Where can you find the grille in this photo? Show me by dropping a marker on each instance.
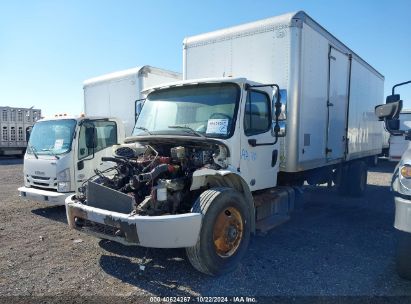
(41, 184)
(42, 181)
(40, 177)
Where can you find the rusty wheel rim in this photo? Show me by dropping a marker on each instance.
(228, 232)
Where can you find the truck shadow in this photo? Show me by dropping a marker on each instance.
(325, 246)
(54, 213)
(148, 280)
(9, 160)
(167, 271)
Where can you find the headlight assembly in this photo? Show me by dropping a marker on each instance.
(405, 179)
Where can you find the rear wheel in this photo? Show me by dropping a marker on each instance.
(373, 161)
(225, 231)
(403, 259)
(351, 178)
(341, 179)
(357, 178)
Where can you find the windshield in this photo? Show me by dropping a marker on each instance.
(51, 137)
(194, 110)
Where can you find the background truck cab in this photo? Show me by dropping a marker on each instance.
(60, 156)
(401, 181)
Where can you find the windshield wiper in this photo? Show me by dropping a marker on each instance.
(192, 131)
(34, 151)
(144, 129)
(52, 153)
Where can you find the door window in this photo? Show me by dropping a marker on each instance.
(257, 115)
(106, 137)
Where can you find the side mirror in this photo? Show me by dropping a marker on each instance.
(28, 133)
(283, 128)
(389, 111)
(283, 114)
(276, 107)
(138, 107)
(392, 98)
(91, 137)
(393, 124)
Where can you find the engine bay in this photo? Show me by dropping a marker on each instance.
(157, 176)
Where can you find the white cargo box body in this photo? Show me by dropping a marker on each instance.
(115, 94)
(330, 89)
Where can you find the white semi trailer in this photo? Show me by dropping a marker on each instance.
(59, 158)
(264, 107)
(15, 124)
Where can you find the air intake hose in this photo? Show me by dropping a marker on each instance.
(153, 174)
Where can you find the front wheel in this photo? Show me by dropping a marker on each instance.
(225, 231)
(403, 259)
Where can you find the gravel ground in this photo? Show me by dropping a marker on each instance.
(336, 247)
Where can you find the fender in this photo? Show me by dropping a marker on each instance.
(225, 178)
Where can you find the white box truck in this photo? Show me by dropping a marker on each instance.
(59, 158)
(16, 124)
(119, 94)
(264, 107)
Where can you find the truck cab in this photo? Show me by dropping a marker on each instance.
(60, 156)
(398, 143)
(401, 180)
(195, 142)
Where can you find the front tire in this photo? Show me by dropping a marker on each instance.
(403, 258)
(225, 231)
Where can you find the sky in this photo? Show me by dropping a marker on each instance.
(48, 48)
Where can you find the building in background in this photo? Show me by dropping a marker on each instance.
(15, 124)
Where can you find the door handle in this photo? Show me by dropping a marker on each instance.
(253, 143)
(80, 165)
(274, 158)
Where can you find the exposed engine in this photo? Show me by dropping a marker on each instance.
(157, 177)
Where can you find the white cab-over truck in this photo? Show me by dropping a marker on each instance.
(401, 180)
(398, 143)
(15, 124)
(59, 160)
(264, 107)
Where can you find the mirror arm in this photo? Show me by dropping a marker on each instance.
(399, 84)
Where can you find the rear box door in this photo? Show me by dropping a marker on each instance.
(339, 66)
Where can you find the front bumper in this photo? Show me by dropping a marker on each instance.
(49, 197)
(168, 231)
(402, 214)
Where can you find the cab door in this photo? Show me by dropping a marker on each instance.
(88, 159)
(258, 153)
